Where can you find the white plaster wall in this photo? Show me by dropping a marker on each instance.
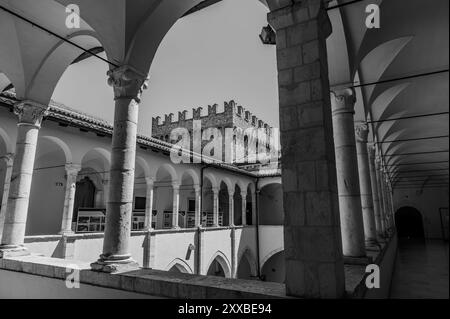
(137, 248)
(47, 247)
(427, 203)
(271, 240)
(215, 241)
(171, 246)
(88, 249)
(46, 201)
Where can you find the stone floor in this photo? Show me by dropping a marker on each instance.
(421, 271)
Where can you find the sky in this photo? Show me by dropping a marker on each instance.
(209, 57)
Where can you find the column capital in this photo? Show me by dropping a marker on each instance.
(127, 82)
(197, 188)
(230, 194)
(243, 194)
(30, 112)
(361, 132)
(8, 159)
(343, 100)
(176, 186)
(149, 181)
(72, 169)
(215, 190)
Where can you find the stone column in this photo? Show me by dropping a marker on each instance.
(105, 184)
(244, 207)
(69, 198)
(198, 210)
(231, 208)
(149, 204)
(176, 205)
(254, 212)
(375, 194)
(234, 257)
(30, 116)
(391, 198)
(386, 201)
(352, 226)
(308, 172)
(215, 191)
(128, 85)
(382, 195)
(370, 231)
(8, 159)
(390, 204)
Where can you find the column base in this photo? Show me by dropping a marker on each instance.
(8, 251)
(114, 266)
(364, 260)
(373, 245)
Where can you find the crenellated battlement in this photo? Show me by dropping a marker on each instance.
(227, 118)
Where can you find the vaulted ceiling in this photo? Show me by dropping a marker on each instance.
(406, 59)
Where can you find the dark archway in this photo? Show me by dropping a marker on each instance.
(409, 223)
(84, 196)
(216, 269)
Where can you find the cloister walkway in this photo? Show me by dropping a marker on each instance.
(422, 270)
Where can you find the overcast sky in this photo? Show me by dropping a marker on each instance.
(212, 56)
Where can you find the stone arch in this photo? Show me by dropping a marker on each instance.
(275, 259)
(211, 178)
(193, 174)
(104, 155)
(248, 255)
(181, 265)
(169, 169)
(228, 183)
(270, 254)
(6, 141)
(143, 165)
(62, 145)
(223, 261)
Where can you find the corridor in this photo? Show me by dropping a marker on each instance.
(421, 271)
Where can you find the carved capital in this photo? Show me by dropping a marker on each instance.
(8, 159)
(72, 170)
(244, 194)
(343, 101)
(361, 132)
(127, 82)
(149, 181)
(30, 112)
(176, 186)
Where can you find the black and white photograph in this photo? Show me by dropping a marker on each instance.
(228, 156)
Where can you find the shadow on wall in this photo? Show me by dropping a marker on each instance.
(273, 269)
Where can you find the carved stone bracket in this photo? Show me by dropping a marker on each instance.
(361, 132)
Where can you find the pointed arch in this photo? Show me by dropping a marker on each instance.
(223, 261)
(181, 265)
